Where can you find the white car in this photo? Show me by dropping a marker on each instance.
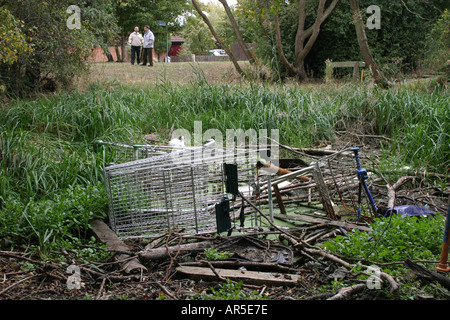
(218, 52)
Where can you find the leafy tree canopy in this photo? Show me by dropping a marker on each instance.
(399, 45)
(438, 53)
(12, 40)
(132, 13)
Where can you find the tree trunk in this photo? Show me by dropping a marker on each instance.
(165, 252)
(224, 47)
(291, 68)
(108, 54)
(118, 55)
(247, 50)
(123, 46)
(309, 36)
(364, 45)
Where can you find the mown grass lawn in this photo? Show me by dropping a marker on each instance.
(178, 73)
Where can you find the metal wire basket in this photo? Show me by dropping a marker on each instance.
(338, 181)
(122, 152)
(155, 189)
(176, 190)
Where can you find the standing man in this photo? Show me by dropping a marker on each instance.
(149, 40)
(135, 39)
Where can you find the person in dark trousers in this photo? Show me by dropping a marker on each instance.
(135, 40)
(149, 40)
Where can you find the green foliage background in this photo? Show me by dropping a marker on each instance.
(400, 45)
(58, 54)
(12, 40)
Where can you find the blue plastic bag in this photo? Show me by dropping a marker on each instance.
(410, 211)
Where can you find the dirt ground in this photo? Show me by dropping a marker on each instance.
(24, 278)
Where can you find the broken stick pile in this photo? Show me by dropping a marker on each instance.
(292, 261)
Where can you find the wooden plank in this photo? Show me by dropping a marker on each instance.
(112, 242)
(107, 236)
(347, 64)
(248, 277)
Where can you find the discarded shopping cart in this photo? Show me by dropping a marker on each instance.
(195, 190)
(175, 190)
(337, 181)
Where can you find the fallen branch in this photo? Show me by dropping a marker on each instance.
(426, 274)
(214, 270)
(107, 236)
(166, 291)
(374, 136)
(166, 252)
(318, 152)
(293, 150)
(172, 259)
(16, 283)
(99, 293)
(335, 223)
(323, 235)
(18, 255)
(393, 188)
(328, 256)
(347, 292)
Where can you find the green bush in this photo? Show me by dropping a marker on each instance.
(213, 254)
(439, 44)
(51, 223)
(393, 239)
(58, 53)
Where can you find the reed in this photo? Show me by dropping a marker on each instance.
(419, 124)
(63, 127)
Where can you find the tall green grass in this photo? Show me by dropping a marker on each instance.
(35, 165)
(419, 123)
(46, 143)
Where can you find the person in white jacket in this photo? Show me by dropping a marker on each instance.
(135, 40)
(149, 40)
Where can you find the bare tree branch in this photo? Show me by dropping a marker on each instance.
(214, 33)
(309, 35)
(247, 50)
(364, 46)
